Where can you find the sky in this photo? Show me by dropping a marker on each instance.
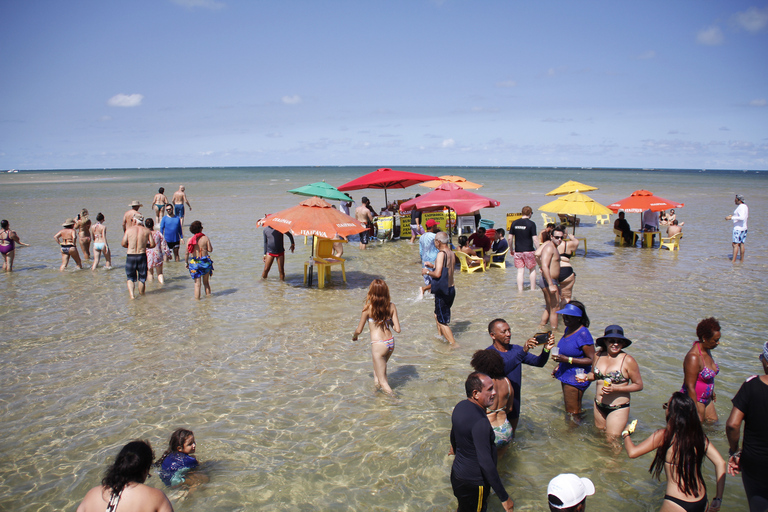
(384, 83)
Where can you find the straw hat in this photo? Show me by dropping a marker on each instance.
(68, 223)
(135, 203)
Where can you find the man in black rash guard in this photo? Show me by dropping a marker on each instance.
(472, 441)
(274, 249)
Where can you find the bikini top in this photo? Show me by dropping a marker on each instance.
(113, 501)
(509, 390)
(706, 375)
(616, 377)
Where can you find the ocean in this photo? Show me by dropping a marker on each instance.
(282, 401)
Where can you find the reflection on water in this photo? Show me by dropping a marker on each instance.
(282, 401)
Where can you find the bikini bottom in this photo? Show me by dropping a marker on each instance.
(608, 409)
(689, 506)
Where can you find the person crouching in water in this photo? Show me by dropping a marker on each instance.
(124, 483)
(381, 316)
(199, 264)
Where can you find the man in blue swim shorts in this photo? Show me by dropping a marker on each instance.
(179, 198)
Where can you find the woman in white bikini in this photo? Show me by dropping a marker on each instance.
(381, 316)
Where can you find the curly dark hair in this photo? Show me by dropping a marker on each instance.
(196, 227)
(131, 465)
(707, 328)
(489, 362)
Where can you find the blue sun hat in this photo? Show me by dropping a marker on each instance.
(570, 310)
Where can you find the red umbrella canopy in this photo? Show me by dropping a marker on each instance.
(451, 195)
(642, 200)
(386, 178)
(314, 217)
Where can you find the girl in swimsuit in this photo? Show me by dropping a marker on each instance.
(680, 450)
(155, 255)
(617, 375)
(381, 316)
(83, 224)
(567, 276)
(464, 247)
(66, 239)
(489, 362)
(700, 369)
(100, 246)
(123, 484)
(8, 241)
(178, 460)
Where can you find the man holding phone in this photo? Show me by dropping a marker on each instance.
(515, 355)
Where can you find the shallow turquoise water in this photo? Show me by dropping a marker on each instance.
(280, 399)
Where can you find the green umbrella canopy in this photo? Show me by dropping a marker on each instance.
(321, 189)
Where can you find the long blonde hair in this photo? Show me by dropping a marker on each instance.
(378, 302)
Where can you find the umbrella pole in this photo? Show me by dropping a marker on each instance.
(311, 267)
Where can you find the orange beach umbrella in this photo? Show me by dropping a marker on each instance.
(314, 217)
(458, 180)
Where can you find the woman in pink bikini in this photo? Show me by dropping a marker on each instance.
(381, 316)
(700, 369)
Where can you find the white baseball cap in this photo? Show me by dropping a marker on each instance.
(570, 489)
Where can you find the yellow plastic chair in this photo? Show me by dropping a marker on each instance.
(465, 259)
(500, 264)
(324, 260)
(620, 238)
(602, 219)
(672, 243)
(548, 219)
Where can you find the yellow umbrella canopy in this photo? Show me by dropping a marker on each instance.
(575, 203)
(570, 186)
(458, 180)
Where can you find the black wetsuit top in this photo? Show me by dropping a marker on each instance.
(472, 439)
(273, 241)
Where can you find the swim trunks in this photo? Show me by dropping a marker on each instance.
(365, 236)
(172, 245)
(542, 283)
(525, 260)
(199, 267)
(739, 236)
(443, 303)
(136, 264)
(275, 255)
(178, 210)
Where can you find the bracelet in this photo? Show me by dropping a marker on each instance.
(734, 454)
(717, 499)
(570, 360)
(625, 434)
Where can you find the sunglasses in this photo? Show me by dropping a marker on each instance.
(557, 237)
(665, 405)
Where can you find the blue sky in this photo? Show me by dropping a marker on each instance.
(94, 83)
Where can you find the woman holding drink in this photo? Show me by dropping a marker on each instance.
(617, 375)
(575, 354)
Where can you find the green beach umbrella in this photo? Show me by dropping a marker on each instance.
(321, 189)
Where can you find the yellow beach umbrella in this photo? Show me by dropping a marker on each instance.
(575, 203)
(458, 180)
(571, 186)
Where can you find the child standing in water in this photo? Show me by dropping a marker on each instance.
(178, 460)
(381, 316)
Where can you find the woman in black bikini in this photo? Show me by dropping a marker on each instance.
(67, 240)
(680, 450)
(617, 375)
(567, 276)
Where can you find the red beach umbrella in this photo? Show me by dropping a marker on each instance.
(386, 178)
(453, 196)
(642, 200)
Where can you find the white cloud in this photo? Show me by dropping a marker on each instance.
(506, 84)
(758, 103)
(753, 19)
(292, 100)
(650, 54)
(448, 143)
(205, 4)
(712, 36)
(125, 100)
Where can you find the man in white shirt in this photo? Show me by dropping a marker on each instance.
(739, 218)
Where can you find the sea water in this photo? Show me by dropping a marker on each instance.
(265, 373)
